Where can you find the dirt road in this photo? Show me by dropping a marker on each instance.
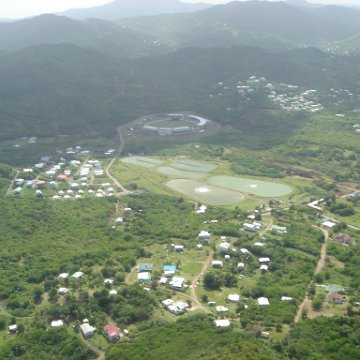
(306, 303)
(194, 297)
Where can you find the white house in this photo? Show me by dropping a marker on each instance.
(264, 260)
(166, 303)
(217, 264)
(250, 227)
(113, 292)
(234, 298)
(222, 323)
(119, 221)
(240, 266)
(63, 291)
(264, 267)
(57, 324)
(263, 301)
(245, 251)
(221, 309)
(286, 298)
(224, 246)
(179, 307)
(87, 330)
(204, 235)
(144, 277)
(177, 282)
(12, 328)
(179, 248)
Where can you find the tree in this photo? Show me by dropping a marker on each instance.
(230, 280)
(212, 281)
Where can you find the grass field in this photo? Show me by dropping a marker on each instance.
(171, 123)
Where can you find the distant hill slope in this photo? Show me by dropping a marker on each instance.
(98, 34)
(272, 25)
(120, 9)
(65, 89)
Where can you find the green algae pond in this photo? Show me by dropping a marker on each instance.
(250, 186)
(204, 193)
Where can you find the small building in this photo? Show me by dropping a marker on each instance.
(179, 307)
(234, 298)
(264, 268)
(145, 267)
(179, 248)
(87, 330)
(222, 323)
(108, 281)
(244, 251)
(334, 297)
(169, 270)
(279, 229)
(199, 246)
(286, 298)
(204, 235)
(217, 264)
(221, 309)
(63, 291)
(163, 280)
(250, 227)
(265, 334)
(144, 277)
(344, 239)
(166, 303)
(227, 257)
(63, 276)
(112, 332)
(328, 224)
(57, 324)
(13, 329)
(119, 221)
(77, 275)
(113, 292)
(224, 247)
(263, 301)
(177, 282)
(240, 266)
(264, 260)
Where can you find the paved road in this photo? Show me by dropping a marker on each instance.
(107, 170)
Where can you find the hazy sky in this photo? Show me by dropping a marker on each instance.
(23, 8)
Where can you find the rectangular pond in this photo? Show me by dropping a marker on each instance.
(142, 161)
(250, 186)
(192, 165)
(180, 174)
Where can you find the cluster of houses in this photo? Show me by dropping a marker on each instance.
(299, 102)
(288, 97)
(168, 275)
(60, 179)
(175, 307)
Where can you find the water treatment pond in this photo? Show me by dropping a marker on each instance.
(192, 165)
(207, 194)
(142, 161)
(256, 187)
(180, 174)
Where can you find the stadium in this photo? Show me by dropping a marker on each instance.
(174, 124)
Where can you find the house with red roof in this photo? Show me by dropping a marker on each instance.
(112, 332)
